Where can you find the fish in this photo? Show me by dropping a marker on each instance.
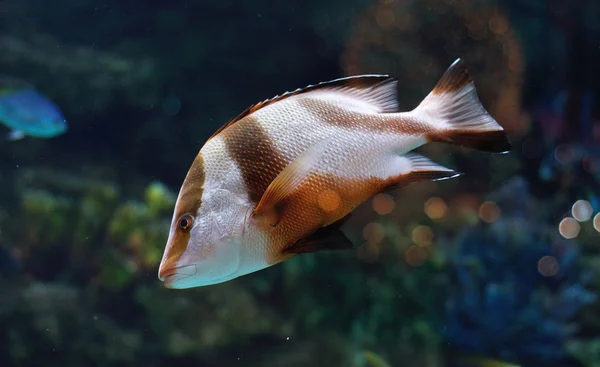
(282, 177)
(27, 112)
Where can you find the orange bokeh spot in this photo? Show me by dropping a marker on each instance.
(383, 204)
(373, 232)
(415, 256)
(489, 212)
(569, 228)
(435, 208)
(422, 235)
(548, 266)
(329, 200)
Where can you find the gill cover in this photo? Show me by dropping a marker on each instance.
(207, 251)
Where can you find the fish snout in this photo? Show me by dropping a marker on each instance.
(171, 275)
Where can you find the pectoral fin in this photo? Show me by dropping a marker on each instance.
(266, 211)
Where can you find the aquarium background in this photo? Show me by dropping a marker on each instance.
(501, 263)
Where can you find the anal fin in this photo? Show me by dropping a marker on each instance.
(419, 168)
(325, 238)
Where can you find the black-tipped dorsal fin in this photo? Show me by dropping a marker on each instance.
(378, 91)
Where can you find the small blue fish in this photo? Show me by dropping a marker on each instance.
(26, 112)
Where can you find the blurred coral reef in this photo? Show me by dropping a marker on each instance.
(502, 262)
(516, 286)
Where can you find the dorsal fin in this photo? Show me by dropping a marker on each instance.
(377, 90)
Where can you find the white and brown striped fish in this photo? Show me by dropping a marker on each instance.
(279, 179)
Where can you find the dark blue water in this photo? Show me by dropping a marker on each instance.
(501, 264)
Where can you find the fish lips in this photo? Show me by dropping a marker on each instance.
(172, 276)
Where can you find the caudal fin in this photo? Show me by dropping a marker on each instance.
(457, 116)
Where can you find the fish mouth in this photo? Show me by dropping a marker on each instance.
(170, 277)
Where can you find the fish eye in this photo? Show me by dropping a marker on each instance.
(184, 223)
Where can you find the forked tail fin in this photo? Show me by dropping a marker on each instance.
(457, 116)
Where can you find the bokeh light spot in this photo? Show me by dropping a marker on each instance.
(569, 228)
(415, 256)
(383, 204)
(329, 200)
(498, 24)
(171, 105)
(548, 266)
(435, 208)
(582, 210)
(489, 212)
(597, 222)
(564, 154)
(385, 17)
(368, 252)
(591, 164)
(373, 232)
(422, 235)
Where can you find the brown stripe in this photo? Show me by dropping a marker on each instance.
(327, 113)
(486, 141)
(192, 188)
(255, 154)
(189, 202)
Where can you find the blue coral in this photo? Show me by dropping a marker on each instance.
(500, 305)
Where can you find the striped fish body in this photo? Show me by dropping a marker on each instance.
(279, 179)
